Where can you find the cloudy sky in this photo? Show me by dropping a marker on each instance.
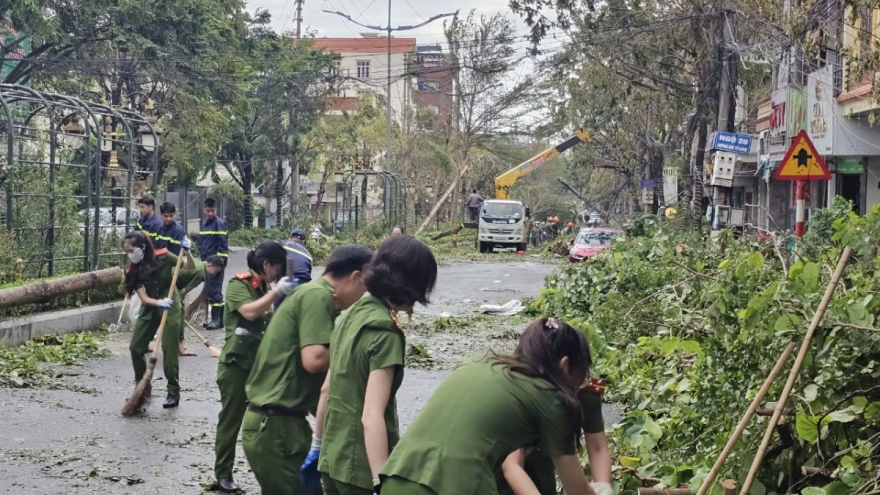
(375, 12)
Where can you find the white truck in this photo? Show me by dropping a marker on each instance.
(503, 224)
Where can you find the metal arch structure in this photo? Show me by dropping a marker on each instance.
(60, 186)
(354, 198)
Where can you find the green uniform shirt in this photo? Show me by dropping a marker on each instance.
(278, 377)
(157, 283)
(366, 340)
(190, 279)
(539, 466)
(474, 419)
(242, 335)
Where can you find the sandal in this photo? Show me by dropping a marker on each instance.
(186, 352)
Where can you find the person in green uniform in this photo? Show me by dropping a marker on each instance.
(358, 414)
(488, 409)
(186, 282)
(286, 378)
(148, 274)
(249, 299)
(539, 467)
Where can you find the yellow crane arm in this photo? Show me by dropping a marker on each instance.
(504, 181)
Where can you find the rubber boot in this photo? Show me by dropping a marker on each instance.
(216, 318)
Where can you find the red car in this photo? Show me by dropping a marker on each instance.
(591, 241)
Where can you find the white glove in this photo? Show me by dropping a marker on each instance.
(602, 488)
(185, 243)
(165, 303)
(284, 286)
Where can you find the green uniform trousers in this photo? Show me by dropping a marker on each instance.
(231, 379)
(145, 328)
(276, 447)
(396, 485)
(333, 487)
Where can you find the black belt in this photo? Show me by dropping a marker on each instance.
(274, 411)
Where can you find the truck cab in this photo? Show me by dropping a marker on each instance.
(503, 224)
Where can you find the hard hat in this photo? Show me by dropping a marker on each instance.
(570, 224)
(299, 234)
(549, 219)
(670, 212)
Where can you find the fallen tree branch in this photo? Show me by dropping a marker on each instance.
(668, 491)
(447, 233)
(43, 291)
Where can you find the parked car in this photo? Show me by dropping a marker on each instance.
(107, 224)
(591, 241)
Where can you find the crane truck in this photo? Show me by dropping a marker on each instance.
(504, 222)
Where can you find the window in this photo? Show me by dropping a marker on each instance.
(337, 67)
(363, 68)
(428, 86)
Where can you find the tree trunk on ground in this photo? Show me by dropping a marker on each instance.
(440, 201)
(447, 233)
(669, 491)
(43, 291)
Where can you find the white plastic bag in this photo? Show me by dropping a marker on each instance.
(134, 308)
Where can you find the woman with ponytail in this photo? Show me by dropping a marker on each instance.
(492, 407)
(148, 274)
(249, 299)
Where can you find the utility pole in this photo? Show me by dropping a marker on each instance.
(388, 98)
(388, 29)
(293, 162)
(726, 87)
(299, 18)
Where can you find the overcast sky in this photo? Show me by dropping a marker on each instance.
(375, 12)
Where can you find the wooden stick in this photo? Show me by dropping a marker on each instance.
(780, 363)
(795, 369)
(214, 351)
(728, 487)
(668, 491)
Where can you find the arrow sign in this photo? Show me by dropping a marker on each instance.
(802, 162)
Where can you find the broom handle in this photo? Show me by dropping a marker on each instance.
(165, 312)
(795, 369)
(204, 340)
(122, 311)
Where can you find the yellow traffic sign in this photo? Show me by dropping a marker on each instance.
(802, 162)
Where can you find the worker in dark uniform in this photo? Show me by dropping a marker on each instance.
(299, 260)
(149, 222)
(213, 241)
(171, 232)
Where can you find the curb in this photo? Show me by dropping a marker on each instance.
(18, 331)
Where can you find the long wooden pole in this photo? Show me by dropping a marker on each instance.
(442, 199)
(780, 363)
(795, 369)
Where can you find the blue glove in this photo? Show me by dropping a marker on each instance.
(185, 243)
(165, 303)
(308, 473)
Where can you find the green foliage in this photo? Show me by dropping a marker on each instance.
(23, 366)
(251, 238)
(686, 330)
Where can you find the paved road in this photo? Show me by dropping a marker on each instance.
(63, 441)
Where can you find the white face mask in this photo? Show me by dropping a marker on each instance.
(136, 256)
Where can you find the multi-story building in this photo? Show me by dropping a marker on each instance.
(823, 94)
(435, 82)
(363, 67)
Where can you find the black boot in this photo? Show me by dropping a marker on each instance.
(226, 486)
(173, 400)
(216, 318)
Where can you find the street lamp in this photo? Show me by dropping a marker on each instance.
(108, 135)
(72, 134)
(147, 139)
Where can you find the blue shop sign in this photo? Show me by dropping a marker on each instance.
(734, 143)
